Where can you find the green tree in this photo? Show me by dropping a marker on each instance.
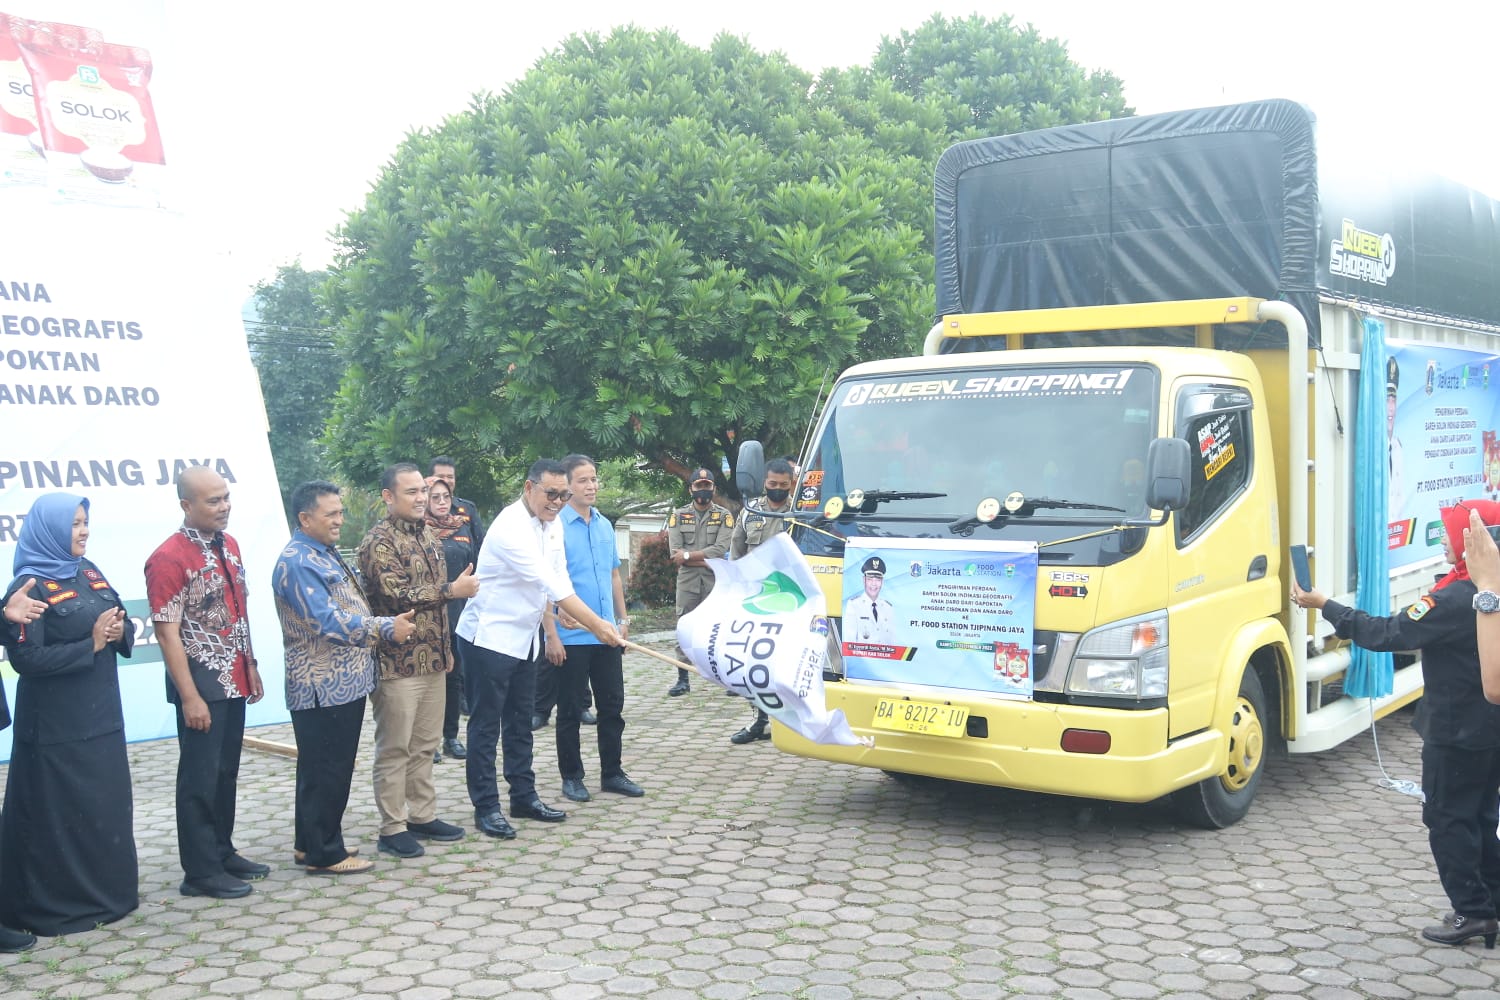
(646, 248)
(993, 78)
(291, 344)
(643, 248)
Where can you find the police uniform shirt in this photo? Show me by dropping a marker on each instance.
(692, 530)
(755, 527)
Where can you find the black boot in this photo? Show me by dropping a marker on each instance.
(681, 687)
(1457, 928)
(760, 729)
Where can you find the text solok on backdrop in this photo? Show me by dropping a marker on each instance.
(122, 355)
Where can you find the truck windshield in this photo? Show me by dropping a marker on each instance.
(931, 446)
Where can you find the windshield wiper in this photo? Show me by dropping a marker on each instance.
(881, 496)
(1028, 507)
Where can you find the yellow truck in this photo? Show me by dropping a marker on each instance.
(1169, 349)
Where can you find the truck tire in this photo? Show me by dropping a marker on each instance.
(1223, 800)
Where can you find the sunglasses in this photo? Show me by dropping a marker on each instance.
(556, 495)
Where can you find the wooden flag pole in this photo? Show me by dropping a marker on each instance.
(659, 656)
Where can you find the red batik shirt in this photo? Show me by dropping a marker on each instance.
(196, 578)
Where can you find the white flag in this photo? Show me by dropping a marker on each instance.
(763, 633)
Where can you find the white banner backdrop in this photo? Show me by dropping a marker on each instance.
(122, 360)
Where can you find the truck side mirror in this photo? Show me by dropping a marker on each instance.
(750, 468)
(1168, 466)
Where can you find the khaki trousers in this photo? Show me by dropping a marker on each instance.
(408, 728)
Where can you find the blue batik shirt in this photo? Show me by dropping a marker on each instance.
(327, 630)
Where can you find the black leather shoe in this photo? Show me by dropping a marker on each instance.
(757, 730)
(216, 886)
(400, 845)
(436, 830)
(573, 789)
(538, 722)
(455, 749)
(243, 868)
(14, 941)
(437, 756)
(1462, 928)
(680, 688)
(588, 718)
(537, 809)
(492, 824)
(621, 784)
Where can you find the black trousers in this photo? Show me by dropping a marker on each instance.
(502, 690)
(1463, 804)
(453, 692)
(208, 774)
(602, 667)
(547, 685)
(327, 743)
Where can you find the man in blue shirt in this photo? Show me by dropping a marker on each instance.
(578, 657)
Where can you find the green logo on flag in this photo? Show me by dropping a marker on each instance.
(779, 594)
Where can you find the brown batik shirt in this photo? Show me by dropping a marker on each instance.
(403, 568)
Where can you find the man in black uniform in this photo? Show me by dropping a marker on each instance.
(1460, 730)
(696, 533)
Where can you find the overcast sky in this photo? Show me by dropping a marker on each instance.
(277, 115)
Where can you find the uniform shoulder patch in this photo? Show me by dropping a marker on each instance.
(728, 520)
(672, 519)
(1419, 610)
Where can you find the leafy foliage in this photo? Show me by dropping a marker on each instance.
(649, 249)
(291, 344)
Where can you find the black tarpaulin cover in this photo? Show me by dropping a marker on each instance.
(1202, 204)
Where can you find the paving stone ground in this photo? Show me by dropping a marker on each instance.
(749, 873)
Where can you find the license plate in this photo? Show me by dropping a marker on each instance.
(926, 717)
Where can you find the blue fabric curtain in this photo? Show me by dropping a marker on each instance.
(1370, 675)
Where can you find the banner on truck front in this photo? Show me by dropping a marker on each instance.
(954, 614)
(1443, 440)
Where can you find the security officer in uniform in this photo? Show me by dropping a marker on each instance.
(695, 534)
(868, 617)
(754, 528)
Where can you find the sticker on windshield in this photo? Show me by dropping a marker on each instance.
(1043, 383)
(1215, 445)
(987, 511)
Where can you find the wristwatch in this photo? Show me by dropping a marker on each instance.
(1487, 602)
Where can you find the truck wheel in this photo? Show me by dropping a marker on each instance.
(1224, 800)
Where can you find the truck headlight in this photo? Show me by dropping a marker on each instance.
(1125, 660)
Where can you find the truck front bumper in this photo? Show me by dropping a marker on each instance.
(1023, 746)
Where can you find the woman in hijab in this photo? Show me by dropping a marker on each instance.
(1460, 730)
(67, 840)
(460, 550)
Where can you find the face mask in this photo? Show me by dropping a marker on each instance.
(778, 496)
(702, 496)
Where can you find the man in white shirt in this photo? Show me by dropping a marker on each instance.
(521, 569)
